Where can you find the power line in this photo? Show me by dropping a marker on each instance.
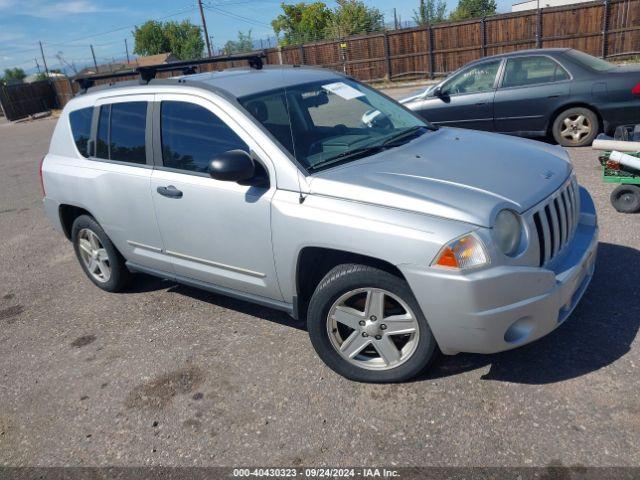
(67, 42)
(237, 17)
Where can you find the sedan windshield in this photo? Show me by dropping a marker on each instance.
(323, 124)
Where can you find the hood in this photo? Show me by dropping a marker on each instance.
(459, 174)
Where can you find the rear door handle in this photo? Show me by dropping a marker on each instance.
(170, 191)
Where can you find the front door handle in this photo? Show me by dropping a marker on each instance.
(170, 191)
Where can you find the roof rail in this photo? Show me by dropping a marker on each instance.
(148, 73)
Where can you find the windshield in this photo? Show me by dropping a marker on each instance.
(589, 61)
(323, 124)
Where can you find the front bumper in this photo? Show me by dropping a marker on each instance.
(504, 307)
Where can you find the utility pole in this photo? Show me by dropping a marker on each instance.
(93, 54)
(204, 26)
(44, 61)
(37, 64)
(126, 47)
(395, 18)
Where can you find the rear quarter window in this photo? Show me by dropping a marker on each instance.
(80, 121)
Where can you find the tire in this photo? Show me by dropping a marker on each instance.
(99, 259)
(575, 127)
(344, 293)
(626, 198)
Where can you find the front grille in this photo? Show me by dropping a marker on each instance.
(556, 219)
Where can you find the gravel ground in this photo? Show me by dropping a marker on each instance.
(168, 375)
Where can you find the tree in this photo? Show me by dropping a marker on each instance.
(183, 39)
(473, 9)
(13, 75)
(243, 44)
(430, 12)
(302, 22)
(352, 17)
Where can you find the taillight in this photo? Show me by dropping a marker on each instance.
(636, 90)
(44, 193)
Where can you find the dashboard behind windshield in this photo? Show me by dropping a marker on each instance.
(322, 121)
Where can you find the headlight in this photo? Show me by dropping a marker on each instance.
(507, 232)
(462, 253)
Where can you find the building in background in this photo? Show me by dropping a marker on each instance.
(534, 4)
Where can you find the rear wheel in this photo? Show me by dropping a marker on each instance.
(99, 259)
(626, 198)
(367, 326)
(575, 127)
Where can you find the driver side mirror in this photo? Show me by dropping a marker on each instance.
(437, 92)
(232, 166)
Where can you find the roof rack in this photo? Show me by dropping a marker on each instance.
(148, 73)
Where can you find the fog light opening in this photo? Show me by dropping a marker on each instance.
(519, 330)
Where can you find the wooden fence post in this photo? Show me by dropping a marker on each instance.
(387, 54)
(302, 54)
(483, 35)
(432, 61)
(605, 28)
(539, 28)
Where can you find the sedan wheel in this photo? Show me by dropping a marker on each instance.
(575, 127)
(94, 255)
(373, 329)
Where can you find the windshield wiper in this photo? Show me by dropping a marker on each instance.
(349, 155)
(390, 142)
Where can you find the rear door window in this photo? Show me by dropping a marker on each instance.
(532, 71)
(121, 132)
(80, 121)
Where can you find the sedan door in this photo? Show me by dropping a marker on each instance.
(531, 89)
(465, 100)
(216, 232)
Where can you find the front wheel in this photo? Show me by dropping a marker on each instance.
(366, 325)
(575, 127)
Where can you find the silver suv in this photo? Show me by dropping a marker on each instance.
(394, 239)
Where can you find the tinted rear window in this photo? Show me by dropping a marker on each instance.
(81, 128)
(121, 132)
(589, 61)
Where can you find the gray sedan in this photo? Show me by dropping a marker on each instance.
(563, 93)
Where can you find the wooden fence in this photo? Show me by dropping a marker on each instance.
(607, 28)
(604, 28)
(24, 99)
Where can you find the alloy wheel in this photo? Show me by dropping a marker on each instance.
(575, 128)
(94, 255)
(373, 329)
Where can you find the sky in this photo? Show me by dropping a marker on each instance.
(68, 28)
